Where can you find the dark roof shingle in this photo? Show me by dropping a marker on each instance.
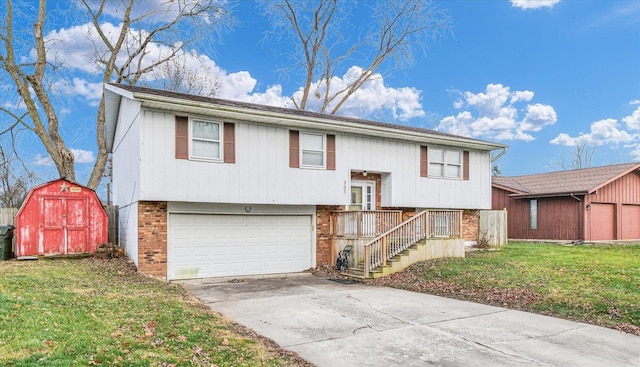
(237, 104)
(565, 182)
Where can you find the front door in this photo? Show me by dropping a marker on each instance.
(362, 196)
(362, 200)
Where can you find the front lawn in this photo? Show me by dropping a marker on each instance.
(594, 284)
(84, 312)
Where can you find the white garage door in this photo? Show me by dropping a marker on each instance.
(207, 245)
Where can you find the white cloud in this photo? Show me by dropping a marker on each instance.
(83, 156)
(497, 115)
(538, 116)
(633, 121)
(525, 96)
(534, 4)
(602, 132)
(634, 102)
(76, 47)
(271, 97)
(41, 160)
(635, 154)
(373, 97)
(80, 156)
(92, 92)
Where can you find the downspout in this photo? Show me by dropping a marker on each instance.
(581, 228)
(504, 150)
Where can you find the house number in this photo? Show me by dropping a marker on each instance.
(344, 187)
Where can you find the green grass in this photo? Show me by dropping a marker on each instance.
(82, 312)
(595, 284)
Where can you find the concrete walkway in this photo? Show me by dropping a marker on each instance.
(334, 324)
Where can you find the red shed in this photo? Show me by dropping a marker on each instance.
(59, 218)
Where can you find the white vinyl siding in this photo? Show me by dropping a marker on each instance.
(446, 163)
(205, 140)
(312, 150)
(261, 174)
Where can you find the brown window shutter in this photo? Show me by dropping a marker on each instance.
(229, 142)
(424, 162)
(182, 137)
(331, 152)
(465, 165)
(294, 148)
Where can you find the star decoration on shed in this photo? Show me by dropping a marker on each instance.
(64, 187)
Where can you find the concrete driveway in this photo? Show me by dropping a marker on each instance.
(333, 324)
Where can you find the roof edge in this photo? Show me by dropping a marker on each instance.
(625, 172)
(507, 188)
(283, 116)
(548, 195)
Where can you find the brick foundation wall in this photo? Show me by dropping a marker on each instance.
(152, 238)
(324, 243)
(470, 223)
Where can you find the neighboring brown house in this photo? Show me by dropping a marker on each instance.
(590, 204)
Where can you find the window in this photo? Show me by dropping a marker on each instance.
(533, 214)
(205, 139)
(445, 163)
(312, 149)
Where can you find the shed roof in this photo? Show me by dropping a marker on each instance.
(563, 183)
(185, 103)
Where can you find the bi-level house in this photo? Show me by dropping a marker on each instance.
(209, 187)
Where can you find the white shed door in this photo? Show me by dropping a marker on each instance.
(207, 245)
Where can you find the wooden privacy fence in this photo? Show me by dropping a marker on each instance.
(112, 213)
(492, 227)
(8, 216)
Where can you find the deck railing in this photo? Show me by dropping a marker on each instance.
(426, 224)
(369, 223)
(445, 223)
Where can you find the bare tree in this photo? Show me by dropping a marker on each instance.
(123, 56)
(177, 75)
(581, 155)
(15, 179)
(317, 27)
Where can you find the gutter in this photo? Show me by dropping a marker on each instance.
(281, 119)
(548, 195)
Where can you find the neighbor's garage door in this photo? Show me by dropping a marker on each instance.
(602, 222)
(630, 222)
(207, 245)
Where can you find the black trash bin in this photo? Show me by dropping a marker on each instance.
(6, 237)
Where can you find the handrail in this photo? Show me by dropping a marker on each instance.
(394, 241)
(426, 224)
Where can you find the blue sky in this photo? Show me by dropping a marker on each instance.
(535, 75)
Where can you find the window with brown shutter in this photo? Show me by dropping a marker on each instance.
(331, 152)
(465, 165)
(229, 142)
(424, 162)
(294, 148)
(182, 137)
(445, 162)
